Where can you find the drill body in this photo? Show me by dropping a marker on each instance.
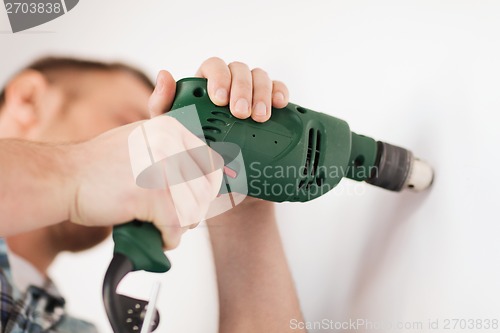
(297, 155)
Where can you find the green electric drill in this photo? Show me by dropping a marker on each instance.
(301, 152)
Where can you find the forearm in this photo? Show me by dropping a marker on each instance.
(34, 185)
(256, 290)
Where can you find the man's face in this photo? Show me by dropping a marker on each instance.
(103, 101)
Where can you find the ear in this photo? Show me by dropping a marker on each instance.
(22, 95)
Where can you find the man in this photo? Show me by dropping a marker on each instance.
(57, 195)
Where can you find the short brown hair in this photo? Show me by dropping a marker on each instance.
(50, 67)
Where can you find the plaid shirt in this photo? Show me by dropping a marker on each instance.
(36, 310)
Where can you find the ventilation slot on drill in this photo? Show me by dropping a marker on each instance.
(310, 170)
(217, 122)
(221, 114)
(316, 154)
(211, 130)
(310, 148)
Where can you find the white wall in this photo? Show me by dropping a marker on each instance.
(421, 74)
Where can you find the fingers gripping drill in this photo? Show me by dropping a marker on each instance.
(312, 152)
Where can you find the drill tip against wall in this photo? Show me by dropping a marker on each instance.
(397, 169)
(421, 176)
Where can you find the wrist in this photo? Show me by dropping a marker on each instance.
(252, 204)
(249, 207)
(75, 163)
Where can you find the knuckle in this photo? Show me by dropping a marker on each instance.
(280, 85)
(263, 90)
(259, 71)
(245, 85)
(223, 77)
(238, 64)
(214, 60)
(277, 83)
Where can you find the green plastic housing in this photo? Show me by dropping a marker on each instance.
(297, 155)
(141, 243)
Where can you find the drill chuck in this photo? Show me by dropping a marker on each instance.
(397, 169)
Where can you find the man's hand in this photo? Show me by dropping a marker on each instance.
(106, 193)
(248, 92)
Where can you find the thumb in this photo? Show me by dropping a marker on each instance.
(163, 96)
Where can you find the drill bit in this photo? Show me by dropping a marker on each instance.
(150, 311)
